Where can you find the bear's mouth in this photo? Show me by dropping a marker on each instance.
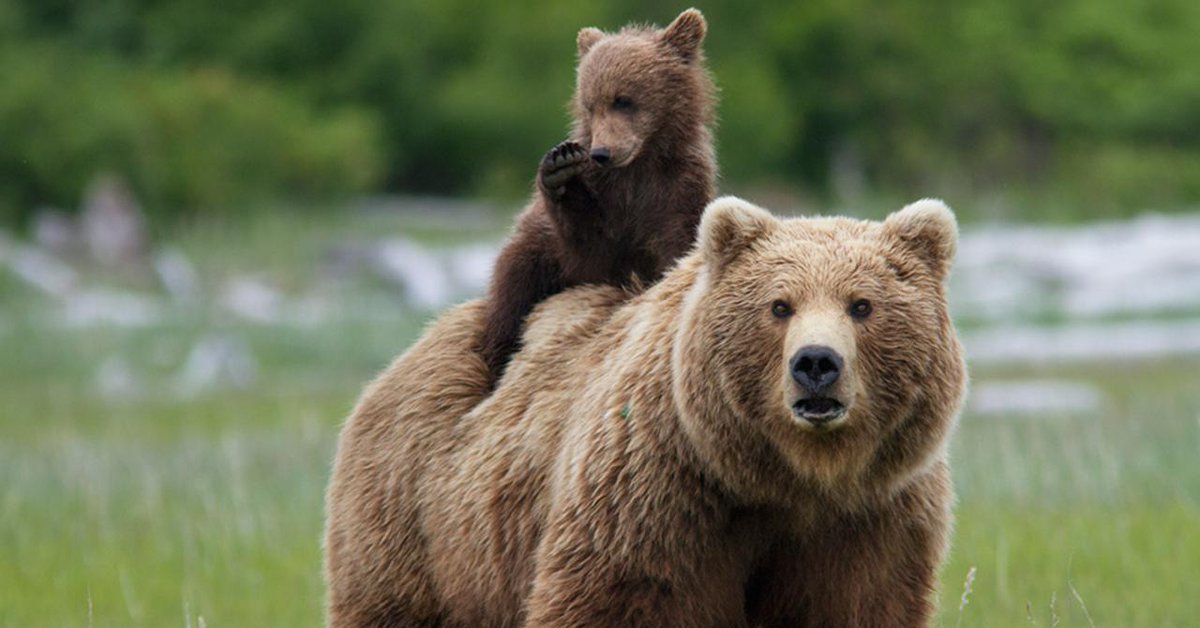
(819, 410)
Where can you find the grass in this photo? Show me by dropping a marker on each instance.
(1131, 565)
(144, 511)
(1098, 511)
(162, 509)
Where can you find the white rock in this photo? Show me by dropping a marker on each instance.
(103, 306)
(1114, 342)
(177, 274)
(55, 230)
(1045, 397)
(1132, 267)
(37, 268)
(253, 299)
(425, 281)
(214, 362)
(112, 222)
(471, 266)
(115, 379)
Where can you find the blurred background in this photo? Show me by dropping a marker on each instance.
(219, 220)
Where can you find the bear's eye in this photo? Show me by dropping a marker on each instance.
(781, 309)
(622, 102)
(860, 309)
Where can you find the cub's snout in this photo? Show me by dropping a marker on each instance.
(601, 155)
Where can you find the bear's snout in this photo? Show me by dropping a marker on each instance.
(816, 368)
(601, 155)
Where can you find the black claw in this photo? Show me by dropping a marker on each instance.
(562, 163)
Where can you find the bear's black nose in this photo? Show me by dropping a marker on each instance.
(601, 155)
(816, 368)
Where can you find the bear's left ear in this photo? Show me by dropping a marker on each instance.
(928, 230)
(588, 38)
(685, 34)
(728, 227)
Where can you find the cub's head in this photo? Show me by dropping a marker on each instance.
(636, 87)
(821, 348)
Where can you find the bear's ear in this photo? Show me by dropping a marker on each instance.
(685, 34)
(926, 229)
(728, 227)
(588, 38)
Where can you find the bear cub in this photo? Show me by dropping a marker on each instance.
(619, 201)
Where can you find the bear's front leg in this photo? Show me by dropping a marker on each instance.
(874, 570)
(569, 201)
(611, 596)
(592, 574)
(525, 274)
(560, 166)
(888, 581)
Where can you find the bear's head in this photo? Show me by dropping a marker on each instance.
(638, 85)
(819, 352)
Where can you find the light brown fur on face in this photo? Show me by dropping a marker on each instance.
(821, 267)
(821, 323)
(642, 464)
(629, 85)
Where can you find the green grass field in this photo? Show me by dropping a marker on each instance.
(165, 509)
(169, 511)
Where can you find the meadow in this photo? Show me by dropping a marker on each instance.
(129, 500)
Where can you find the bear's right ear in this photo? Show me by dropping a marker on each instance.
(728, 227)
(588, 38)
(685, 34)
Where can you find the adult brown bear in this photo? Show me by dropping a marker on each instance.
(757, 440)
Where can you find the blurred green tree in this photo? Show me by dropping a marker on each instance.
(1088, 104)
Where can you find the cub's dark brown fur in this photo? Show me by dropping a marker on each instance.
(622, 198)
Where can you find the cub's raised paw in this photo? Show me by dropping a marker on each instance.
(563, 163)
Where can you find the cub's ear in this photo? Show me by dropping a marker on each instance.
(728, 227)
(928, 231)
(685, 34)
(588, 38)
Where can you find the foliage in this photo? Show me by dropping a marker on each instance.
(195, 139)
(1088, 103)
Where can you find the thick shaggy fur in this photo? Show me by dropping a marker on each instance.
(642, 464)
(645, 96)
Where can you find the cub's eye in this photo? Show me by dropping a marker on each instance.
(860, 309)
(622, 102)
(781, 309)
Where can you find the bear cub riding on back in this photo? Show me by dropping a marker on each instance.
(620, 200)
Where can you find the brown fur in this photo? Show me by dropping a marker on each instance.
(641, 465)
(637, 215)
